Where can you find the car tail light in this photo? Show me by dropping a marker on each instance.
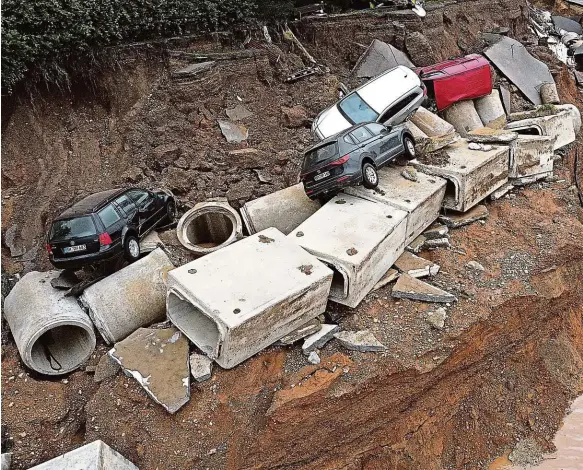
(340, 161)
(49, 249)
(104, 239)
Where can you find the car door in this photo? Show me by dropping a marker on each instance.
(367, 143)
(382, 141)
(113, 222)
(390, 142)
(146, 209)
(400, 110)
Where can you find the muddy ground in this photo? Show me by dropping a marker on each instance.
(502, 370)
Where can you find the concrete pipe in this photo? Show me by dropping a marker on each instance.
(209, 226)
(490, 108)
(430, 123)
(52, 332)
(549, 94)
(463, 116)
(130, 298)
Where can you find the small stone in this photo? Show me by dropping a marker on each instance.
(437, 318)
(234, 133)
(238, 113)
(437, 243)
(363, 341)
(106, 368)
(410, 173)
(201, 367)
(475, 266)
(313, 358)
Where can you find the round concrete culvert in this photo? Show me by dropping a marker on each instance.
(53, 334)
(209, 226)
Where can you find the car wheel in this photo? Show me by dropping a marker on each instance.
(131, 248)
(171, 210)
(370, 177)
(409, 145)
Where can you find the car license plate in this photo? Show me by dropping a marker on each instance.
(322, 176)
(71, 249)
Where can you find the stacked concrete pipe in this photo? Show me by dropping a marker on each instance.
(209, 226)
(53, 334)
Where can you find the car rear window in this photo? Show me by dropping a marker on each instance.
(320, 154)
(108, 216)
(73, 228)
(356, 109)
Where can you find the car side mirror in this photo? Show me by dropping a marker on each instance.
(386, 130)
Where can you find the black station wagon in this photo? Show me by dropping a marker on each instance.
(105, 225)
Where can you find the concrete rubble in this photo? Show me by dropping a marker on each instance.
(209, 226)
(106, 367)
(53, 334)
(158, 360)
(408, 287)
(436, 231)
(150, 242)
(96, 455)
(308, 329)
(436, 318)
(415, 266)
(425, 144)
(474, 265)
(389, 277)
(314, 358)
(437, 243)
(487, 135)
(360, 257)
(421, 199)
(130, 298)
(236, 301)
(238, 113)
(559, 123)
(320, 338)
(378, 58)
(490, 109)
(363, 341)
(531, 158)
(201, 367)
(285, 210)
(463, 116)
(417, 244)
(458, 220)
(233, 133)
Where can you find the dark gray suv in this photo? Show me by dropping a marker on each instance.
(352, 157)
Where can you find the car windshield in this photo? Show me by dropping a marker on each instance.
(320, 154)
(72, 228)
(356, 110)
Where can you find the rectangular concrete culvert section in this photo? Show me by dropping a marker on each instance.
(472, 174)
(360, 239)
(130, 298)
(235, 302)
(284, 210)
(559, 125)
(53, 334)
(531, 158)
(421, 199)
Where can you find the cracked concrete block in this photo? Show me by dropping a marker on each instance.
(438, 231)
(559, 125)
(408, 287)
(415, 266)
(320, 338)
(358, 239)
(549, 93)
(389, 277)
(431, 124)
(363, 341)
(463, 116)
(472, 174)
(201, 367)
(421, 199)
(236, 301)
(531, 158)
(52, 332)
(209, 226)
(285, 210)
(94, 456)
(158, 360)
(313, 326)
(574, 113)
(487, 135)
(490, 107)
(130, 298)
(458, 220)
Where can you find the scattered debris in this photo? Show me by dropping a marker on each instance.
(314, 358)
(410, 173)
(378, 58)
(408, 287)
(437, 318)
(417, 244)
(389, 277)
(479, 212)
(475, 266)
(238, 113)
(158, 360)
(437, 243)
(436, 231)
(363, 341)
(481, 147)
(296, 116)
(320, 338)
(201, 367)
(309, 328)
(65, 281)
(499, 193)
(6, 461)
(549, 93)
(234, 133)
(487, 135)
(526, 453)
(193, 70)
(261, 177)
(303, 73)
(106, 367)
(416, 266)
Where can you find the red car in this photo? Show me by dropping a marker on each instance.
(459, 79)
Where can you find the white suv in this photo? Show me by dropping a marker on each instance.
(389, 99)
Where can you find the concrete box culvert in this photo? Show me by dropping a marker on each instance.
(53, 334)
(561, 125)
(209, 226)
(130, 298)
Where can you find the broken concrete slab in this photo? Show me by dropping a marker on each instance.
(458, 220)
(487, 135)
(130, 298)
(389, 277)
(531, 158)
(472, 174)
(234, 133)
(193, 70)
(558, 124)
(209, 226)
(431, 124)
(408, 287)
(490, 108)
(421, 199)
(519, 66)
(96, 455)
(437, 231)
(236, 301)
(425, 144)
(359, 258)
(437, 318)
(363, 341)
(285, 210)
(238, 113)
(463, 116)
(378, 58)
(499, 193)
(150, 242)
(506, 99)
(313, 326)
(415, 266)
(320, 338)
(437, 243)
(314, 358)
(65, 281)
(52, 332)
(416, 245)
(158, 360)
(201, 367)
(106, 367)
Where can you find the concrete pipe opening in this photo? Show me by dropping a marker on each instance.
(450, 196)
(198, 328)
(339, 287)
(208, 227)
(528, 130)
